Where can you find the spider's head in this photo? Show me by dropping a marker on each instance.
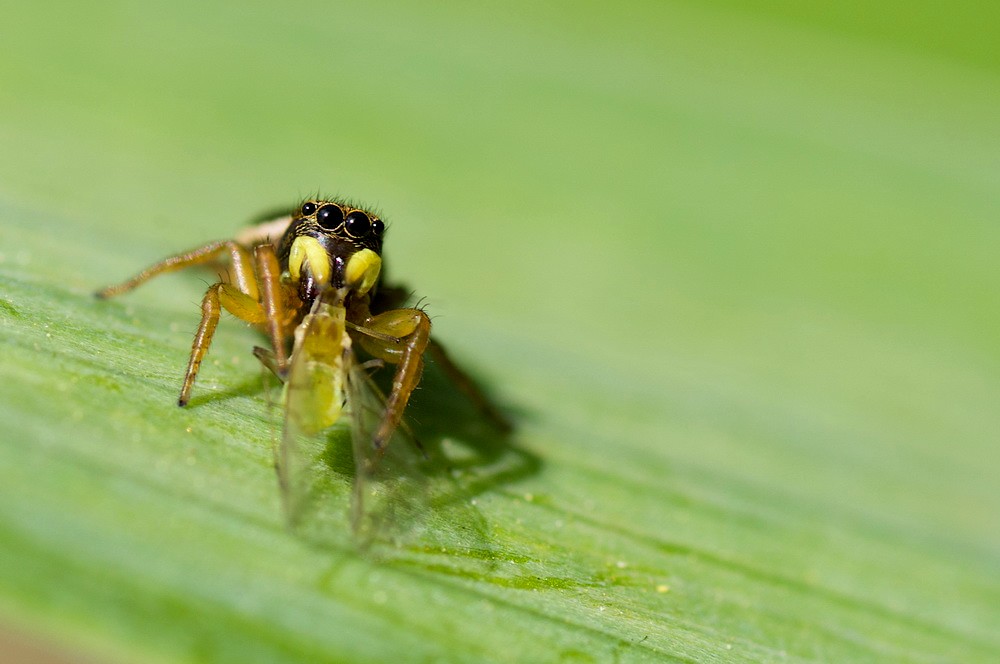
(331, 243)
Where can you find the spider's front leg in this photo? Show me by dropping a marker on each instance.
(254, 296)
(400, 337)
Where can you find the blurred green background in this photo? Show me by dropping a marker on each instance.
(732, 267)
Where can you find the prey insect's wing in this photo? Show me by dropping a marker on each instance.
(389, 482)
(314, 397)
(401, 497)
(405, 501)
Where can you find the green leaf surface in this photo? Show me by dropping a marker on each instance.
(732, 268)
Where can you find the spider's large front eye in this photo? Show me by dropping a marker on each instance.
(358, 224)
(329, 217)
(308, 208)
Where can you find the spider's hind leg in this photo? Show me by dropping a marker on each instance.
(468, 386)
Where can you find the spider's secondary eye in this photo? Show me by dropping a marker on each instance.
(329, 217)
(308, 209)
(358, 224)
(377, 226)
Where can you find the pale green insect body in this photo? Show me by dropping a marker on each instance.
(317, 377)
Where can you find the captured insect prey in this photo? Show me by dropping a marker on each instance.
(312, 282)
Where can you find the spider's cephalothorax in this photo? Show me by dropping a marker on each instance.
(348, 236)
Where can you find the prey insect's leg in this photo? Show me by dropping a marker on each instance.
(465, 383)
(267, 358)
(399, 336)
(242, 271)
